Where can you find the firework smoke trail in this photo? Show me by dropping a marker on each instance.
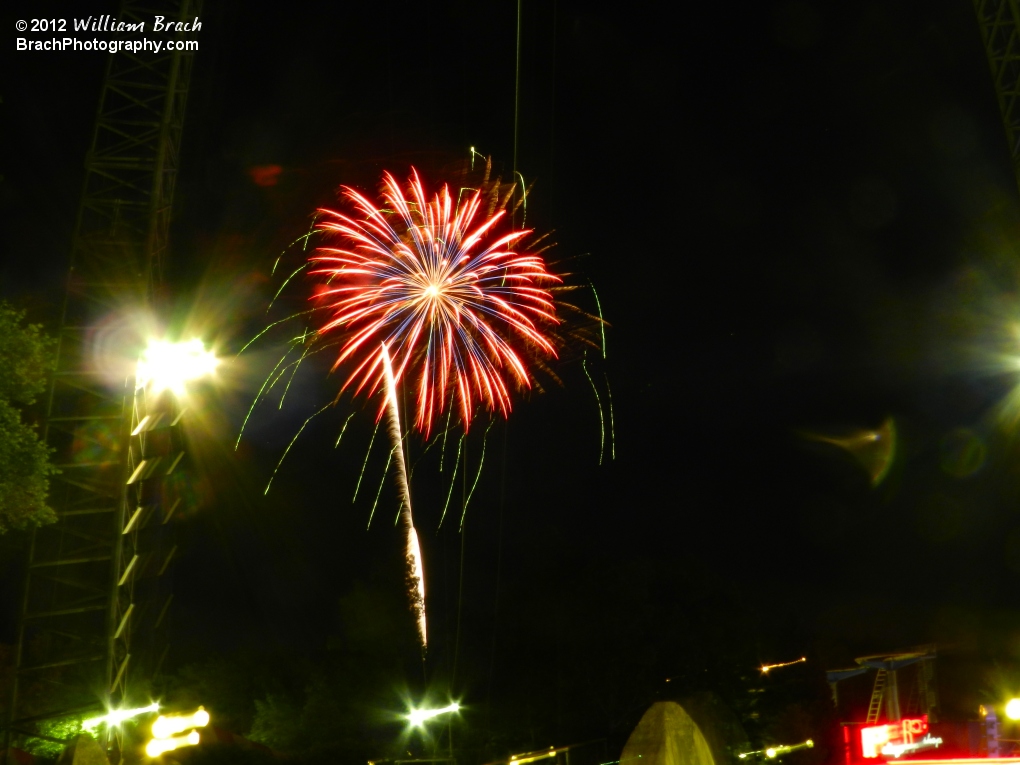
(415, 571)
(417, 576)
(395, 432)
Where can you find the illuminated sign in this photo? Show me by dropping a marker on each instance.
(896, 739)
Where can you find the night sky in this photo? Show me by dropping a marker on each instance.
(800, 217)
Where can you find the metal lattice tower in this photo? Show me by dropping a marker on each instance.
(92, 627)
(999, 21)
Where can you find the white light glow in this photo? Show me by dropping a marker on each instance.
(1013, 709)
(418, 717)
(158, 746)
(166, 726)
(168, 366)
(117, 716)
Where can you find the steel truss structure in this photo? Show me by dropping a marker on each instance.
(92, 627)
(999, 21)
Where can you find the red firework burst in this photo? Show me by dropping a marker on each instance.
(440, 283)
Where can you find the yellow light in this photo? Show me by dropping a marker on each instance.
(774, 751)
(432, 291)
(158, 746)
(1013, 709)
(117, 716)
(766, 667)
(166, 726)
(524, 760)
(168, 366)
(418, 717)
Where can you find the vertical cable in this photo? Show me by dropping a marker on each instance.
(460, 576)
(517, 104)
(506, 424)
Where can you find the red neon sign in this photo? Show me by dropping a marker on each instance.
(899, 736)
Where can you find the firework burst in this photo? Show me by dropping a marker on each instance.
(446, 285)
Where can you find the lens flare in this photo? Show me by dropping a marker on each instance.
(874, 450)
(441, 285)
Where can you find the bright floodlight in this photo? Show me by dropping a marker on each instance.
(167, 726)
(117, 716)
(419, 716)
(1013, 709)
(158, 746)
(168, 366)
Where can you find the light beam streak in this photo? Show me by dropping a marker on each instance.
(446, 431)
(117, 716)
(378, 492)
(453, 481)
(342, 430)
(286, 281)
(357, 486)
(258, 397)
(287, 450)
(766, 667)
(598, 401)
(274, 324)
(612, 424)
(474, 485)
(602, 322)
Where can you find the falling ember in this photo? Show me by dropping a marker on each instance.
(441, 283)
(415, 571)
(766, 667)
